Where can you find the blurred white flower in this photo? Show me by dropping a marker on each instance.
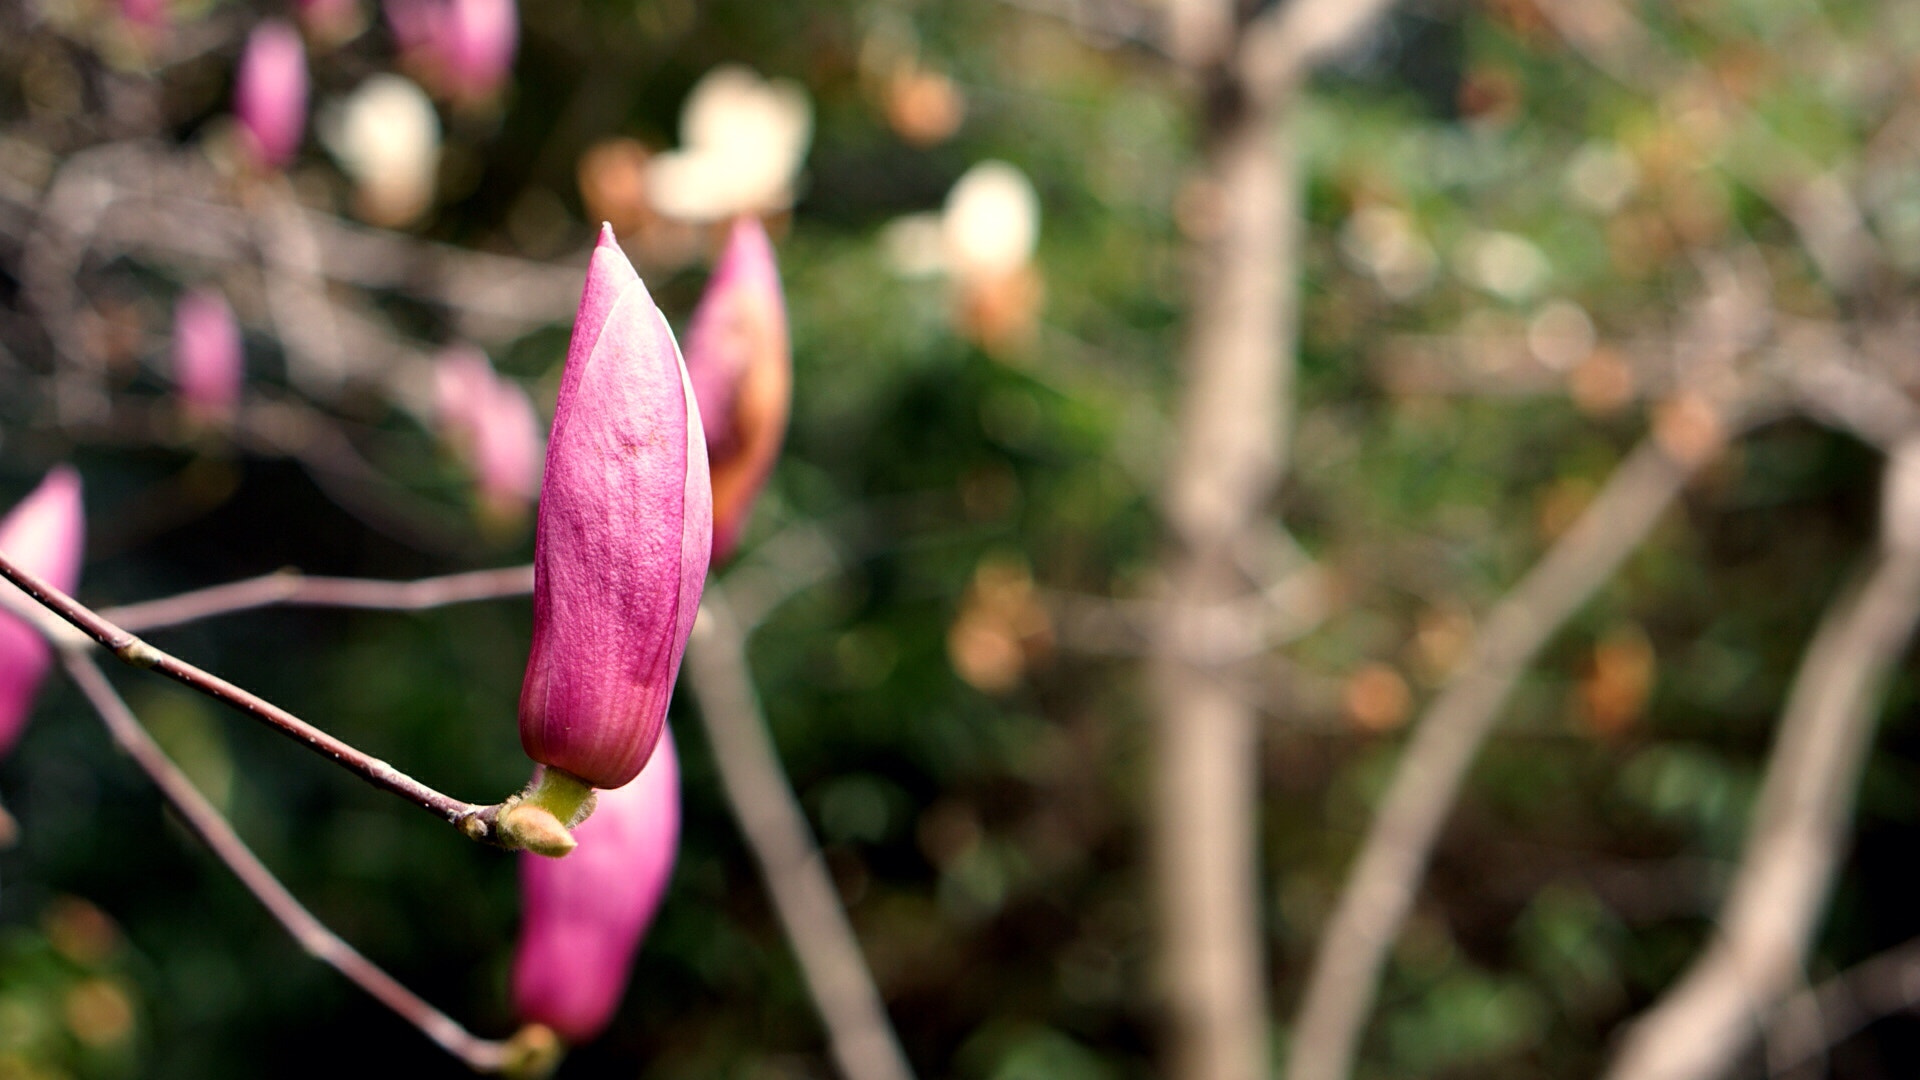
(1384, 243)
(386, 136)
(982, 241)
(1504, 264)
(1601, 176)
(1561, 334)
(915, 245)
(991, 222)
(742, 139)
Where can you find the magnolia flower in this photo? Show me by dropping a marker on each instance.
(742, 139)
(989, 227)
(386, 136)
(489, 422)
(742, 367)
(582, 917)
(44, 536)
(624, 536)
(208, 365)
(270, 94)
(991, 221)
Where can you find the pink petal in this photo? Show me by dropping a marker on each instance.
(584, 915)
(44, 535)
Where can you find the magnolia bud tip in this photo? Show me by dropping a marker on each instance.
(606, 236)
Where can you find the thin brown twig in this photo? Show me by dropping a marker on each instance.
(859, 1035)
(206, 822)
(474, 820)
(291, 588)
(1386, 873)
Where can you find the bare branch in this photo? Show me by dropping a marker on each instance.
(290, 588)
(1199, 32)
(1284, 45)
(148, 198)
(206, 822)
(1821, 1017)
(296, 296)
(1229, 450)
(474, 820)
(858, 1032)
(789, 562)
(1393, 857)
(1708, 1019)
(1832, 388)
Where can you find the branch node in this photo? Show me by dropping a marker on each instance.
(137, 653)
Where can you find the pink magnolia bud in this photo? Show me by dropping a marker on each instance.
(741, 363)
(462, 377)
(462, 49)
(207, 361)
(148, 15)
(583, 916)
(490, 423)
(477, 42)
(270, 96)
(45, 535)
(624, 536)
(412, 24)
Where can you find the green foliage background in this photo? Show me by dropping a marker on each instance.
(989, 844)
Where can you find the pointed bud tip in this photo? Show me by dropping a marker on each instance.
(535, 829)
(62, 478)
(607, 239)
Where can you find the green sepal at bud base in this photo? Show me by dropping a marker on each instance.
(541, 818)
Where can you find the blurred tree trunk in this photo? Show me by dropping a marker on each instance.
(1228, 457)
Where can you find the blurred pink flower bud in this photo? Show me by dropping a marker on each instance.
(270, 96)
(742, 368)
(148, 15)
(489, 422)
(45, 535)
(624, 536)
(208, 364)
(477, 42)
(412, 24)
(582, 917)
(330, 22)
(462, 49)
(462, 377)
